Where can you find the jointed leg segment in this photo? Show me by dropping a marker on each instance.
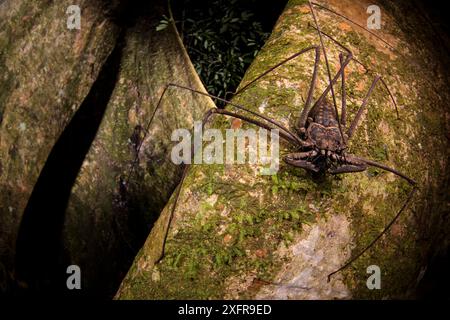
(348, 163)
(287, 135)
(364, 162)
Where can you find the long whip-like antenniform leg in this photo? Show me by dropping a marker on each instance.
(355, 23)
(357, 61)
(284, 131)
(303, 116)
(242, 108)
(342, 47)
(295, 55)
(351, 158)
(335, 79)
(255, 122)
(363, 65)
(207, 116)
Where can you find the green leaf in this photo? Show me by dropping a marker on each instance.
(163, 25)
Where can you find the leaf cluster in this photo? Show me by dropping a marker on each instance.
(222, 37)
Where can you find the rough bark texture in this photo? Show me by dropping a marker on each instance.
(46, 72)
(60, 89)
(106, 197)
(237, 234)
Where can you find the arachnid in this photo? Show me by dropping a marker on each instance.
(320, 136)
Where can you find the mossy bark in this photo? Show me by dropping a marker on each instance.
(115, 200)
(238, 234)
(46, 72)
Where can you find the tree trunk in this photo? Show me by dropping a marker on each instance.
(113, 193)
(47, 71)
(238, 234)
(70, 94)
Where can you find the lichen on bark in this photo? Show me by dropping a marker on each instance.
(115, 192)
(237, 234)
(49, 73)
(46, 72)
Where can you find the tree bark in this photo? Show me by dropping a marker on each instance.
(47, 71)
(114, 192)
(74, 105)
(238, 234)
